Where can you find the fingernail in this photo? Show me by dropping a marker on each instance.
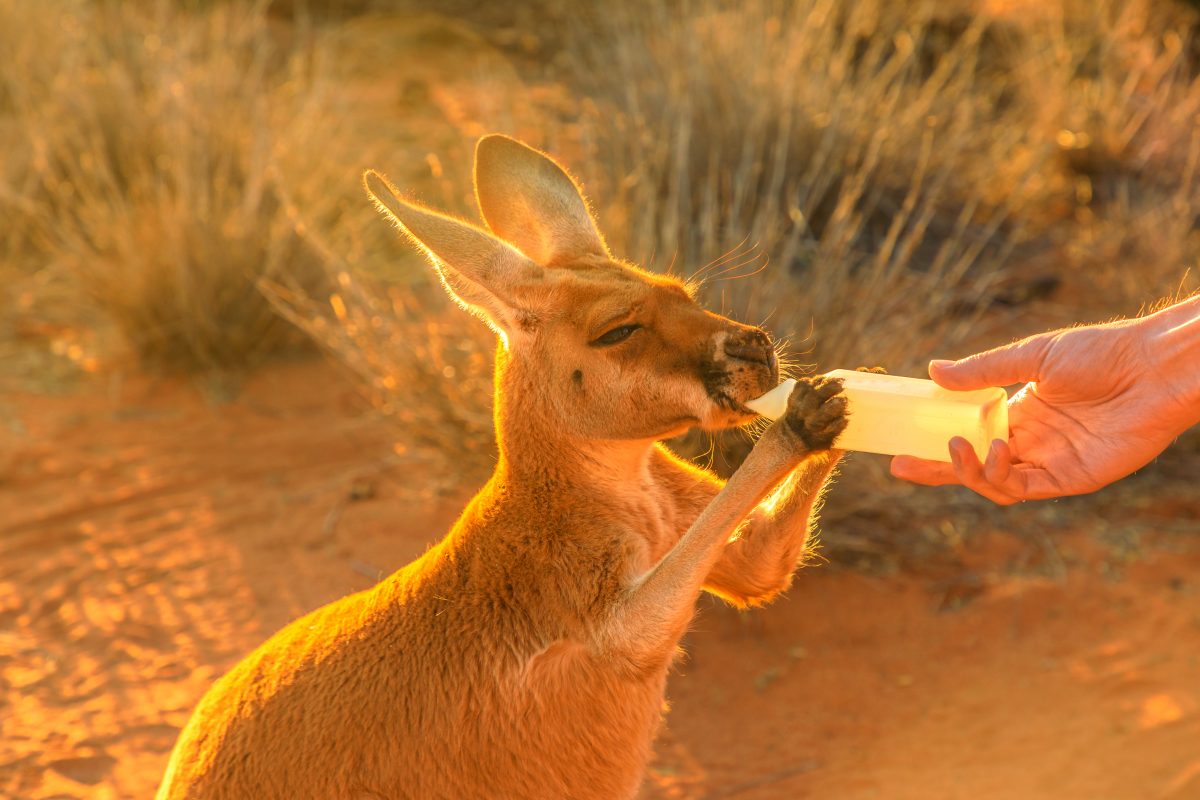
(940, 363)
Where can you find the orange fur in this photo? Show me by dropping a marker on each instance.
(527, 653)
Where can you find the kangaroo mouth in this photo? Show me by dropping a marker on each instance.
(731, 386)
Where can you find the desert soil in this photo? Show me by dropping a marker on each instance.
(150, 537)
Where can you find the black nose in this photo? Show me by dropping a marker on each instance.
(751, 345)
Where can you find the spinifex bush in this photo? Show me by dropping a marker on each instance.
(1114, 87)
(143, 152)
(419, 360)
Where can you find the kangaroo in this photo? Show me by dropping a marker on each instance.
(526, 654)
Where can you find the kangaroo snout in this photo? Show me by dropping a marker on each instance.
(752, 345)
(745, 366)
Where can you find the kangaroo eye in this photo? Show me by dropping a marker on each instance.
(615, 336)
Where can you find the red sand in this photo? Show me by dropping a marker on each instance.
(148, 541)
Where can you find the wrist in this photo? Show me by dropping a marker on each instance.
(1173, 345)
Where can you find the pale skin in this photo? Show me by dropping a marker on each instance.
(1099, 402)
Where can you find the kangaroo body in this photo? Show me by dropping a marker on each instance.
(526, 655)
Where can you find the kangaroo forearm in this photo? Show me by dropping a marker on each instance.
(659, 605)
(759, 563)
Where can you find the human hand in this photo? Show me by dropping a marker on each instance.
(1101, 402)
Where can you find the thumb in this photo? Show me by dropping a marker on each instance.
(1018, 362)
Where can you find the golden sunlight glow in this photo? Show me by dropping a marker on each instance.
(231, 394)
(1159, 709)
(773, 500)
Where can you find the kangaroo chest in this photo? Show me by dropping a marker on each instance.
(652, 526)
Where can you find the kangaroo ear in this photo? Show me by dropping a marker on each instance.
(529, 200)
(479, 271)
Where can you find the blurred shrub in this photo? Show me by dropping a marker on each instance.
(142, 166)
(408, 86)
(421, 360)
(1113, 87)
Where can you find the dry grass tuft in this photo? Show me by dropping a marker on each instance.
(143, 149)
(417, 357)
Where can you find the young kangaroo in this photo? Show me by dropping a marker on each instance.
(526, 654)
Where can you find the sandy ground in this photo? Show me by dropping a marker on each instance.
(149, 538)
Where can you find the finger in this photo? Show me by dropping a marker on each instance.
(927, 473)
(970, 473)
(1005, 473)
(1018, 362)
(997, 467)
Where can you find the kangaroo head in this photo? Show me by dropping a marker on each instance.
(594, 346)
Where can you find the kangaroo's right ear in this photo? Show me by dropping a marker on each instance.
(483, 273)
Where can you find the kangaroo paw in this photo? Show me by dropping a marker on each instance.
(816, 411)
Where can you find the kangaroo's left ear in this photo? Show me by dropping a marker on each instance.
(485, 275)
(529, 200)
